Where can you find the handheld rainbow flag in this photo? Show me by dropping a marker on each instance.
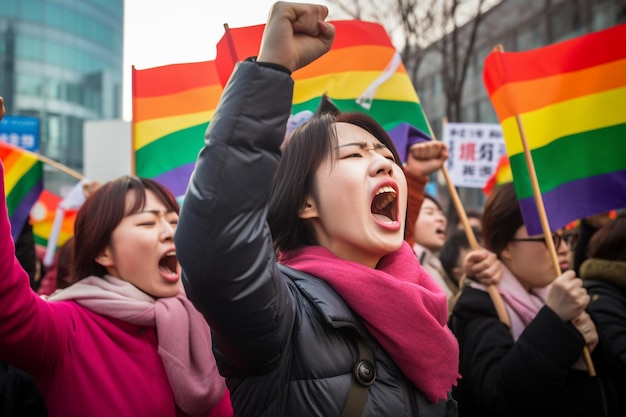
(172, 106)
(570, 99)
(361, 72)
(23, 182)
(42, 216)
(500, 176)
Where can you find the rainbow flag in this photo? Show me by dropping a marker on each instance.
(501, 175)
(172, 106)
(42, 218)
(362, 72)
(570, 98)
(23, 182)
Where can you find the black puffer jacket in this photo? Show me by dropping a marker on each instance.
(281, 337)
(605, 281)
(528, 377)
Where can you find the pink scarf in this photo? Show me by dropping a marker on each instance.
(400, 305)
(521, 305)
(184, 337)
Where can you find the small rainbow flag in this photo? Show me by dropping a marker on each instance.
(172, 106)
(362, 72)
(570, 98)
(42, 218)
(23, 182)
(500, 176)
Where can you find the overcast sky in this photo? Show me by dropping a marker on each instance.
(162, 32)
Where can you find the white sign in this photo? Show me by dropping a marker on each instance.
(107, 149)
(474, 152)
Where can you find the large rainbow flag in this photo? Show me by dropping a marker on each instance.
(570, 97)
(23, 182)
(172, 106)
(362, 72)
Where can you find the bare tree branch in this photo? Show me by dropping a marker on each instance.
(414, 25)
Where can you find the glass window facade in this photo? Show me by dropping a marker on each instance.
(59, 60)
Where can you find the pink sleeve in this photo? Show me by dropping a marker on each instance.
(223, 408)
(29, 334)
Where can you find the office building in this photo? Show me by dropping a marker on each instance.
(62, 61)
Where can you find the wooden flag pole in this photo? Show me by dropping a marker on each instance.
(495, 296)
(58, 166)
(231, 44)
(133, 152)
(545, 226)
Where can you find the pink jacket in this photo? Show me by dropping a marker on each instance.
(84, 363)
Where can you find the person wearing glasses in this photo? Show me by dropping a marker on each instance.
(570, 237)
(535, 367)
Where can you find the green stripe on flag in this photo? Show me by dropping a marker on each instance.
(25, 184)
(571, 158)
(170, 151)
(389, 113)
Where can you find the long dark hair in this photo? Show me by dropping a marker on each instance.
(307, 148)
(102, 212)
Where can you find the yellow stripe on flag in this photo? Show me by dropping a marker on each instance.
(350, 85)
(151, 130)
(550, 123)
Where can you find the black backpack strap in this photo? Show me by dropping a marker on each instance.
(363, 375)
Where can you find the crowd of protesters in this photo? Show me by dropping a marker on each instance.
(289, 283)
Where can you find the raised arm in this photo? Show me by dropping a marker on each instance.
(423, 159)
(31, 335)
(223, 241)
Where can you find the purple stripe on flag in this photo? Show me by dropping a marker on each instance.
(177, 179)
(576, 200)
(404, 135)
(22, 211)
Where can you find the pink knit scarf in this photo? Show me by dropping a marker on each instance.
(184, 337)
(401, 305)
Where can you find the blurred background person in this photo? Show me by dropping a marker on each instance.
(59, 275)
(604, 276)
(453, 252)
(429, 236)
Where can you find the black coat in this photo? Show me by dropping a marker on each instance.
(19, 396)
(606, 283)
(282, 338)
(528, 377)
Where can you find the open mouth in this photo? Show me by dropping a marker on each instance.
(169, 263)
(384, 205)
